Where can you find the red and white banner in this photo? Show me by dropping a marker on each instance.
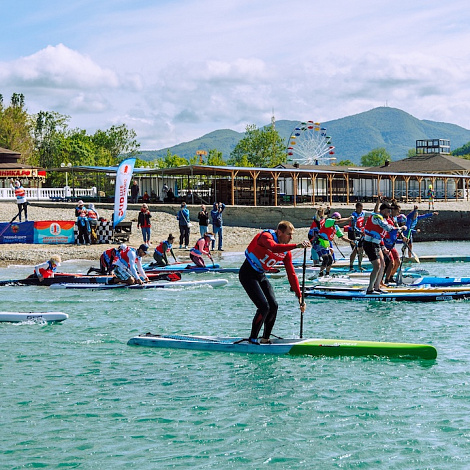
(123, 180)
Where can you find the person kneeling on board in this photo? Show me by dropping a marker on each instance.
(266, 250)
(106, 261)
(128, 265)
(160, 255)
(202, 248)
(48, 268)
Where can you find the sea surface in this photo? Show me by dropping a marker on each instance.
(74, 395)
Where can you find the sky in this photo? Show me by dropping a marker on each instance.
(176, 70)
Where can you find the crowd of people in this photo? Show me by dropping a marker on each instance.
(374, 233)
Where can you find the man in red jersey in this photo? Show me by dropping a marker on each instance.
(266, 250)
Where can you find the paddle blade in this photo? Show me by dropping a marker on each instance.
(172, 277)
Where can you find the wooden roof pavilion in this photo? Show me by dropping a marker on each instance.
(330, 174)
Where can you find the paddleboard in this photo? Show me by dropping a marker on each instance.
(441, 281)
(192, 268)
(75, 278)
(393, 289)
(359, 295)
(149, 285)
(179, 267)
(16, 317)
(296, 347)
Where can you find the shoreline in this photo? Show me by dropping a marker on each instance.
(235, 237)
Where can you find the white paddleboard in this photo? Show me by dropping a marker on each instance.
(149, 285)
(32, 316)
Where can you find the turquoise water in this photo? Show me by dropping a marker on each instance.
(74, 395)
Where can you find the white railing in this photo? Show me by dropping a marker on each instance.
(45, 194)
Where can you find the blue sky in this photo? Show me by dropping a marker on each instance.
(176, 70)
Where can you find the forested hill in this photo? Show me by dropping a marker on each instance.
(352, 136)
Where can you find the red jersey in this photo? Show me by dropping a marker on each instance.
(264, 252)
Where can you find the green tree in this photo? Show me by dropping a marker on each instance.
(16, 127)
(171, 161)
(411, 153)
(346, 163)
(118, 140)
(49, 136)
(215, 158)
(259, 148)
(376, 157)
(463, 151)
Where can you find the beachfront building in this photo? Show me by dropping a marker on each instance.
(406, 180)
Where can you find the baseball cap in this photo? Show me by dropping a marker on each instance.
(336, 215)
(144, 248)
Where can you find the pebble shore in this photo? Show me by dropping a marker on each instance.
(236, 239)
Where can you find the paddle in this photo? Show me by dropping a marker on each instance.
(400, 270)
(304, 267)
(9, 224)
(414, 255)
(172, 277)
(340, 252)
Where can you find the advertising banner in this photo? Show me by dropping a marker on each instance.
(54, 231)
(17, 232)
(123, 180)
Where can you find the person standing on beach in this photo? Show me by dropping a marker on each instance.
(217, 223)
(134, 192)
(143, 222)
(431, 197)
(20, 194)
(203, 217)
(80, 207)
(83, 225)
(184, 225)
(268, 248)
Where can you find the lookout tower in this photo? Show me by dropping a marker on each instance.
(433, 147)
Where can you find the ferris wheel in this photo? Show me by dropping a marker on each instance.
(309, 144)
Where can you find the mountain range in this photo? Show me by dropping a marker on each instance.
(352, 136)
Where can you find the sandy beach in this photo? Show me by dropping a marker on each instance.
(235, 238)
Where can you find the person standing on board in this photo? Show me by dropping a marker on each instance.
(20, 194)
(411, 221)
(375, 229)
(356, 233)
(268, 248)
(47, 269)
(202, 248)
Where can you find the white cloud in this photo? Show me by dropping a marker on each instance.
(176, 70)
